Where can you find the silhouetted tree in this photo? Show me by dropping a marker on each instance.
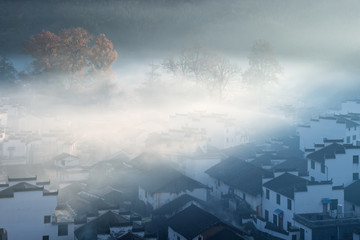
(205, 67)
(7, 71)
(264, 67)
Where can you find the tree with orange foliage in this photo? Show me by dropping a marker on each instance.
(43, 47)
(70, 52)
(102, 54)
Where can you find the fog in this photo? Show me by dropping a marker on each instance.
(316, 43)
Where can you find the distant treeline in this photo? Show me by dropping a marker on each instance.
(138, 23)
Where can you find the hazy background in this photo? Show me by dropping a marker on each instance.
(316, 42)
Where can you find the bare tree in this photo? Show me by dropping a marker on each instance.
(264, 67)
(203, 66)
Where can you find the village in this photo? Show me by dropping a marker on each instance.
(204, 178)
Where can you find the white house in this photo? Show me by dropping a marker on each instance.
(28, 212)
(331, 127)
(288, 194)
(339, 162)
(237, 177)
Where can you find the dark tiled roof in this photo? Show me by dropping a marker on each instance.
(240, 175)
(22, 179)
(100, 225)
(175, 205)
(287, 184)
(328, 152)
(352, 193)
(83, 207)
(62, 156)
(129, 236)
(166, 179)
(225, 234)
(243, 151)
(19, 187)
(192, 221)
(290, 164)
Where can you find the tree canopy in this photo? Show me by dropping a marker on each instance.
(70, 51)
(264, 67)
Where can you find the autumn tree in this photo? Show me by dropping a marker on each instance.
(43, 48)
(102, 55)
(264, 67)
(70, 52)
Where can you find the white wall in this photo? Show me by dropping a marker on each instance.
(23, 215)
(340, 169)
(172, 235)
(303, 202)
(318, 130)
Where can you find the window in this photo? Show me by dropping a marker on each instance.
(47, 219)
(333, 204)
(312, 164)
(289, 204)
(354, 137)
(355, 176)
(356, 159)
(178, 238)
(348, 139)
(46, 238)
(312, 179)
(267, 193)
(353, 207)
(62, 230)
(266, 215)
(323, 168)
(293, 237)
(275, 219)
(288, 225)
(278, 198)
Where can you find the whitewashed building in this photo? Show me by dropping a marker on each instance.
(28, 212)
(288, 194)
(339, 162)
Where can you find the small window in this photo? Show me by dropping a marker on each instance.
(288, 225)
(323, 168)
(354, 137)
(62, 230)
(355, 176)
(312, 179)
(353, 207)
(267, 192)
(46, 238)
(47, 219)
(275, 219)
(289, 204)
(356, 159)
(312, 164)
(278, 199)
(348, 139)
(293, 237)
(266, 215)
